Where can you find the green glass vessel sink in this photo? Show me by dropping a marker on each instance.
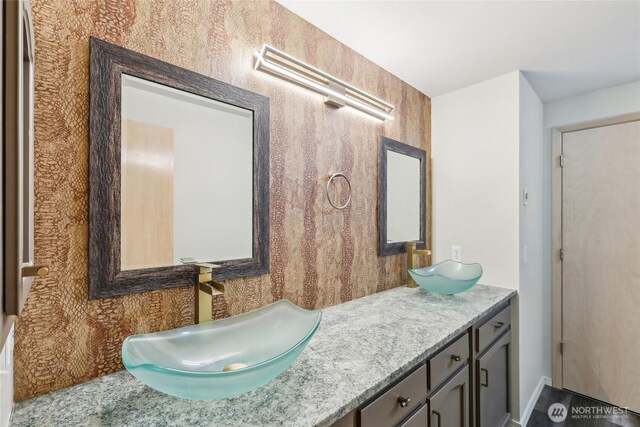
(448, 277)
(222, 358)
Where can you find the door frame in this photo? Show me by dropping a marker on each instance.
(17, 161)
(556, 232)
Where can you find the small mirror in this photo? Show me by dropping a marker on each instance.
(401, 196)
(178, 168)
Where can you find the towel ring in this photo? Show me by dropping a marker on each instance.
(332, 176)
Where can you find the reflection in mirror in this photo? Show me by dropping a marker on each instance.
(187, 176)
(401, 196)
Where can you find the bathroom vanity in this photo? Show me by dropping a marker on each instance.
(465, 383)
(402, 357)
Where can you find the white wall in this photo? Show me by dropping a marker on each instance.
(530, 298)
(475, 177)
(600, 104)
(487, 146)
(597, 105)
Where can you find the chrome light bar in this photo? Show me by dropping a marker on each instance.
(337, 93)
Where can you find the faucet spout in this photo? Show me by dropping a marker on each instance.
(411, 251)
(205, 289)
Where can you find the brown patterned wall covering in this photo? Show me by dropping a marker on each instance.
(319, 256)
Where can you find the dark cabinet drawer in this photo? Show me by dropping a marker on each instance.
(348, 420)
(449, 406)
(419, 419)
(492, 329)
(492, 384)
(398, 402)
(449, 360)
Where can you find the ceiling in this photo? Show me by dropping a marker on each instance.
(563, 47)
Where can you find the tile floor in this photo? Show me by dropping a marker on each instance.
(601, 414)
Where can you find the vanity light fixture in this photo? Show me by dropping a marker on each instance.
(337, 93)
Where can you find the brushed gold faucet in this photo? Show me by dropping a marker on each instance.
(411, 251)
(205, 289)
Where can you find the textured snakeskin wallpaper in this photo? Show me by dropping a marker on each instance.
(319, 256)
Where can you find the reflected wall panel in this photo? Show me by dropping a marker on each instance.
(147, 195)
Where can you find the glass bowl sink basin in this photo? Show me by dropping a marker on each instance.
(222, 358)
(448, 277)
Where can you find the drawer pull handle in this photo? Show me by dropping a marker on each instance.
(403, 401)
(498, 325)
(456, 357)
(486, 373)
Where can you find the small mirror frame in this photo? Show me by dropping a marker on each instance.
(107, 63)
(385, 144)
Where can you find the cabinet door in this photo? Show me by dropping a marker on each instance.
(492, 384)
(419, 419)
(449, 407)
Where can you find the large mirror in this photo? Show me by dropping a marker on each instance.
(186, 177)
(402, 175)
(178, 169)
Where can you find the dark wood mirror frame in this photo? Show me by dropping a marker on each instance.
(107, 64)
(387, 144)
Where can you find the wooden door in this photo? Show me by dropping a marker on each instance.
(449, 406)
(492, 384)
(601, 263)
(146, 197)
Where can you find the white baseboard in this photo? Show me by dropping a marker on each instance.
(524, 419)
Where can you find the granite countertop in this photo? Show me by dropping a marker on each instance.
(360, 347)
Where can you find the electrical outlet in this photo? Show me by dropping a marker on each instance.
(456, 253)
(525, 197)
